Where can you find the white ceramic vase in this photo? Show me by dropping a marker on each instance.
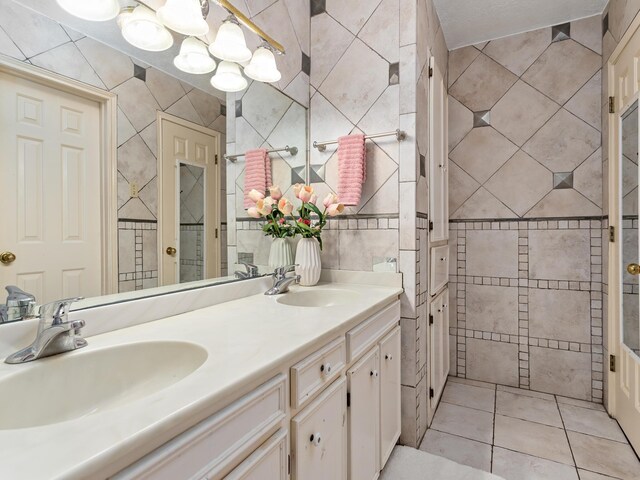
(308, 261)
(280, 254)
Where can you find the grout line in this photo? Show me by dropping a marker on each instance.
(566, 434)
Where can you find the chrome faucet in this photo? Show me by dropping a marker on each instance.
(20, 305)
(55, 333)
(281, 281)
(251, 271)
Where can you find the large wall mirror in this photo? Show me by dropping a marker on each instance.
(115, 180)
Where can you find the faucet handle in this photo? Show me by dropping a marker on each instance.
(16, 297)
(57, 311)
(251, 269)
(282, 271)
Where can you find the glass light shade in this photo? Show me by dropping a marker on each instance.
(92, 10)
(142, 29)
(230, 44)
(228, 78)
(194, 57)
(183, 16)
(263, 66)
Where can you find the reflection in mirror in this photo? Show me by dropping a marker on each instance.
(93, 57)
(630, 254)
(192, 220)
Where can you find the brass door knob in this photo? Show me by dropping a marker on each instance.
(171, 251)
(7, 257)
(633, 269)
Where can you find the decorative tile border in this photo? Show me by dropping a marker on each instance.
(339, 223)
(140, 274)
(524, 283)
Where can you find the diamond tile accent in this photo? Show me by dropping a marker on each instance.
(482, 119)
(518, 52)
(562, 69)
(561, 32)
(394, 73)
(318, 7)
(482, 84)
(563, 143)
(520, 183)
(357, 80)
(306, 63)
(521, 112)
(563, 180)
(140, 72)
(482, 152)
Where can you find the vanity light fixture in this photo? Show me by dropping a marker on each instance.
(230, 44)
(141, 28)
(263, 66)
(184, 16)
(228, 78)
(92, 10)
(194, 57)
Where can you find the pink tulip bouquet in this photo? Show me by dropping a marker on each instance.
(275, 209)
(308, 226)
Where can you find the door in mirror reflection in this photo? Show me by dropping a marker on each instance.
(190, 208)
(630, 252)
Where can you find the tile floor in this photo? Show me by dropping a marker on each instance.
(521, 435)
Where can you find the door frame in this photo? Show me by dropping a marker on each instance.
(107, 103)
(163, 116)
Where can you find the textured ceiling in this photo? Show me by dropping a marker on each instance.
(467, 22)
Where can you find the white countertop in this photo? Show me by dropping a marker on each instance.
(246, 339)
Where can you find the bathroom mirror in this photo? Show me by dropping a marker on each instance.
(629, 210)
(56, 243)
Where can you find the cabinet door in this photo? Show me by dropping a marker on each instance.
(364, 417)
(439, 268)
(438, 162)
(438, 346)
(319, 437)
(268, 462)
(389, 394)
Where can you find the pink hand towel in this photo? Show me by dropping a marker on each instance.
(352, 168)
(257, 173)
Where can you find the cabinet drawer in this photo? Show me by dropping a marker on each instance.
(210, 448)
(361, 338)
(269, 461)
(439, 268)
(317, 370)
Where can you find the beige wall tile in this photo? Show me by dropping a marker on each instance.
(368, 244)
(560, 315)
(490, 361)
(561, 372)
(518, 52)
(560, 255)
(492, 309)
(492, 253)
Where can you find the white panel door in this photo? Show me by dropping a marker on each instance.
(389, 394)
(50, 188)
(438, 348)
(268, 462)
(438, 158)
(364, 417)
(319, 437)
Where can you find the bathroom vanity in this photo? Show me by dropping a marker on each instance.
(304, 385)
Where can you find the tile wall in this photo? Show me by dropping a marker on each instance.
(142, 91)
(526, 209)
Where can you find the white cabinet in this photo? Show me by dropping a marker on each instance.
(319, 437)
(389, 393)
(439, 268)
(438, 347)
(364, 417)
(438, 163)
(268, 462)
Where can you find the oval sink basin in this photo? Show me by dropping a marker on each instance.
(69, 386)
(325, 297)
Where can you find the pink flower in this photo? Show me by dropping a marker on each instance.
(335, 209)
(275, 192)
(330, 199)
(285, 206)
(270, 201)
(255, 195)
(253, 212)
(263, 207)
(313, 199)
(296, 189)
(305, 194)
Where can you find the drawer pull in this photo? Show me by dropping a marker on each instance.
(374, 373)
(315, 439)
(325, 368)
(443, 259)
(388, 356)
